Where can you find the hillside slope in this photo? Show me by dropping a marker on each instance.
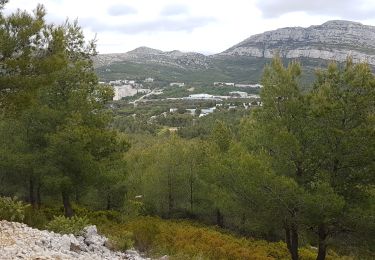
(314, 47)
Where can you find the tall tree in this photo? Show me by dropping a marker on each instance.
(48, 85)
(276, 131)
(316, 140)
(342, 107)
(30, 52)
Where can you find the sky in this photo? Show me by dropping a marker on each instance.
(206, 26)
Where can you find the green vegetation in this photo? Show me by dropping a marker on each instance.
(263, 182)
(12, 209)
(222, 68)
(179, 92)
(187, 240)
(64, 225)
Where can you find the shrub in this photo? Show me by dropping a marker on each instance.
(121, 241)
(12, 209)
(35, 218)
(134, 208)
(103, 216)
(51, 212)
(187, 240)
(63, 225)
(145, 233)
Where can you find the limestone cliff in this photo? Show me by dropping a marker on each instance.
(333, 40)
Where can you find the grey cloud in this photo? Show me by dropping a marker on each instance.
(174, 10)
(120, 9)
(346, 9)
(160, 25)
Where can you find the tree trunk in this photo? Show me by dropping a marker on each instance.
(288, 240)
(170, 196)
(191, 194)
(294, 239)
(31, 192)
(77, 196)
(38, 196)
(108, 202)
(322, 245)
(291, 240)
(68, 211)
(219, 218)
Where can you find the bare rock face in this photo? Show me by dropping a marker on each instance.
(18, 241)
(91, 236)
(333, 40)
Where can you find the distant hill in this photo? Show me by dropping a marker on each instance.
(145, 55)
(314, 47)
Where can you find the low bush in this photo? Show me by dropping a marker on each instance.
(103, 216)
(12, 209)
(51, 212)
(144, 233)
(36, 218)
(121, 241)
(186, 240)
(63, 225)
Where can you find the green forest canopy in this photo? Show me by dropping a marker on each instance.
(300, 168)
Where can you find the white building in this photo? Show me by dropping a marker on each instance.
(240, 94)
(248, 86)
(143, 91)
(191, 111)
(177, 84)
(224, 84)
(207, 111)
(149, 80)
(201, 96)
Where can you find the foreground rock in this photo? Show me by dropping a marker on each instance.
(18, 241)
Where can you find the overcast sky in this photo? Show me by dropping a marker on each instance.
(207, 26)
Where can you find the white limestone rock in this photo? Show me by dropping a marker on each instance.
(333, 40)
(18, 241)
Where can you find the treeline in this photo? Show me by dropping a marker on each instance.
(55, 140)
(298, 169)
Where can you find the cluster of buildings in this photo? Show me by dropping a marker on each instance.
(122, 82)
(210, 110)
(193, 111)
(230, 84)
(223, 84)
(233, 94)
(126, 88)
(134, 83)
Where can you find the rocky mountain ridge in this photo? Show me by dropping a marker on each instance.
(313, 46)
(333, 40)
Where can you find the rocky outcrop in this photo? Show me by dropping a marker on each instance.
(18, 241)
(333, 40)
